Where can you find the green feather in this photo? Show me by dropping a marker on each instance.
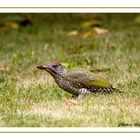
(98, 82)
(86, 78)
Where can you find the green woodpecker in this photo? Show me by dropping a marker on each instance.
(78, 82)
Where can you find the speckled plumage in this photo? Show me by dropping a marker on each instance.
(78, 82)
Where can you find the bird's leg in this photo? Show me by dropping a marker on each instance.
(80, 96)
(83, 92)
(74, 96)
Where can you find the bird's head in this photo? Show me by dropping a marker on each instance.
(54, 68)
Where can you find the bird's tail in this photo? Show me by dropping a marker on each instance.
(108, 90)
(115, 90)
(105, 90)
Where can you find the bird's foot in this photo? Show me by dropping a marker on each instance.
(71, 102)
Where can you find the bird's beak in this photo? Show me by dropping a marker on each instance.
(47, 68)
(42, 67)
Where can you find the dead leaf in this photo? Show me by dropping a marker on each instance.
(71, 102)
(95, 31)
(11, 25)
(100, 31)
(72, 33)
(89, 33)
(91, 23)
(4, 68)
(25, 22)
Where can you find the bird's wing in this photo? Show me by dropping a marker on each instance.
(85, 79)
(98, 82)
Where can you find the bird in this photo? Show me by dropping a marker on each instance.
(78, 81)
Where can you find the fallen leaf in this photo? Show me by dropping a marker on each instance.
(71, 102)
(11, 25)
(25, 22)
(4, 68)
(91, 23)
(73, 33)
(89, 33)
(100, 31)
(95, 31)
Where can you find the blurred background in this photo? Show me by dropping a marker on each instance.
(76, 39)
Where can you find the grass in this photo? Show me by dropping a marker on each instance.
(30, 98)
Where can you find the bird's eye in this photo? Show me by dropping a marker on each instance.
(54, 66)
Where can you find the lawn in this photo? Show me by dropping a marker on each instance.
(30, 97)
